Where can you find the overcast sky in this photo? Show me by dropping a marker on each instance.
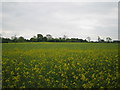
(74, 19)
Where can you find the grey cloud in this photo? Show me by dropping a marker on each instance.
(74, 19)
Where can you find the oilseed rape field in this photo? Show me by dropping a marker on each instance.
(60, 65)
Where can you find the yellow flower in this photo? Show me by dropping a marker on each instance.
(72, 73)
(83, 77)
(92, 75)
(12, 72)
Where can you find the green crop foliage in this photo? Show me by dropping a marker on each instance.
(60, 65)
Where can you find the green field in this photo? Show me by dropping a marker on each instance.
(60, 65)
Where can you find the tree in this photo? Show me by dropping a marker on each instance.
(39, 37)
(44, 39)
(64, 37)
(14, 38)
(33, 39)
(49, 37)
(116, 41)
(99, 39)
(0, 38)
(108, 39)
(21, 39)
(102, 40)
(88, 39)
(6, 40)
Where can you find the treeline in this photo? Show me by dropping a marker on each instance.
(41, 38)
(49, 38)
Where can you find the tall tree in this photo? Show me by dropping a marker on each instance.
(88, 39)
(108, 39)
(99, 39)
(14, 38)
(64, 37)
(39, 37)
(33, 39)
(49, 37)
(44, 39)
(21, 39)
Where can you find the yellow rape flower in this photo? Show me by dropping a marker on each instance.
(83, 77)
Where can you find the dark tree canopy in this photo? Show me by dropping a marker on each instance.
(49, 38)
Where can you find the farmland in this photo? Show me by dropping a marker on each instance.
(60, 65)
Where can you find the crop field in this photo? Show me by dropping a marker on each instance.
(60, 65)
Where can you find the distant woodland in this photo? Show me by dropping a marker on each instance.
(49, 38)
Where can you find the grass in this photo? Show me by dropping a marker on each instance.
(60, 65)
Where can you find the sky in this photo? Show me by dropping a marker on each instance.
(73, 19)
